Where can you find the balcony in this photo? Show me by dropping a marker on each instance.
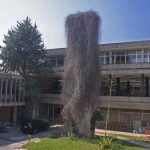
(124, 102)
(51, 98)
(118, 102)
(11, 90)
(126, 69)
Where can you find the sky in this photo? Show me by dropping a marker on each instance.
(122, 20)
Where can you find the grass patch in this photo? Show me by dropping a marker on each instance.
(65, 143)
(62, 143)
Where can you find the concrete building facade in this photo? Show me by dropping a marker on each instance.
(128, 65)
(11, 97)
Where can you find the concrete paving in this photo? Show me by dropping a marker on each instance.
(118, 136)
(14, 138)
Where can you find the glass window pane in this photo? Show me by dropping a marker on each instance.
(146, 56)
(122, 60)
(102, 60)
(117, 59)
(107, 60)
(60, 61)
(131, 57)
(53, 61)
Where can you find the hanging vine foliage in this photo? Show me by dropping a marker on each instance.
(81, 72)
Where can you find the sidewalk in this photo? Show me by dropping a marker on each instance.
(15, 139)
(130, 140)
(18, 145)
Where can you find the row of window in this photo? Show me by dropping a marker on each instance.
(131, 57)
(56, 61)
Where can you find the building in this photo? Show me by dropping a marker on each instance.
(11, 97)
(128, 65)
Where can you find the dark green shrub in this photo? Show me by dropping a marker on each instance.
(97, 116)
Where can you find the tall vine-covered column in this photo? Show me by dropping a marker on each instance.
(81, 72)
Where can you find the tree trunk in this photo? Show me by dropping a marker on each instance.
(84, 126)
(81, 72)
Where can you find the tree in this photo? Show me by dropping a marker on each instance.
(81, 73)
(23, 48)
(24, 53)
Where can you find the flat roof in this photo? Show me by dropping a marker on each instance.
(111, 46)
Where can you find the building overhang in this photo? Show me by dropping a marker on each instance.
(117, 102)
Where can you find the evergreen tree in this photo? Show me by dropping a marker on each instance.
(23, 48)
(24, 53)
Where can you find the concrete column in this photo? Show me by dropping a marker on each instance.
(48, 114)
(147, 86)
(109, 84)
(19, 91)
(142, 55)
(38, 111)
(125, 58)
(15, 89)
(128, 88)
(35, 111)
(114, 61)
(1, 89)
(23, 87)
(15, 115)
(10, 89)
(6, 89)
(142, 84)
(118, 91)
(110, 57)
(119, 115)
(53, 113)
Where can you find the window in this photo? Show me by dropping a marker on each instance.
(60, 61)
(131, 57)
(104, 58)
(56, 61)
(139, 57)
(118, 58)
(146, 56)
(53, 61)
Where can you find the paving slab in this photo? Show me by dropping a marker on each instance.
(14, 139)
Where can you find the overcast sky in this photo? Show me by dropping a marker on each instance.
(122, 20)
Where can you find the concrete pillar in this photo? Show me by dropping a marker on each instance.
(128, 88)
(142, 84)
(118, 91)
(35, 111)
(109, 84)
(23, 91)
(142, 55)
(15, 89)
(125, 58)
(10, 89)
(15, 115)
(147, 86)
(19, 91)
(53, 113)
(48, 114)
(1, 89)
(119, 115)
(6, 89)
(110, 57)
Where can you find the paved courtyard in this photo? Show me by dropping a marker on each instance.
(14, 138)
